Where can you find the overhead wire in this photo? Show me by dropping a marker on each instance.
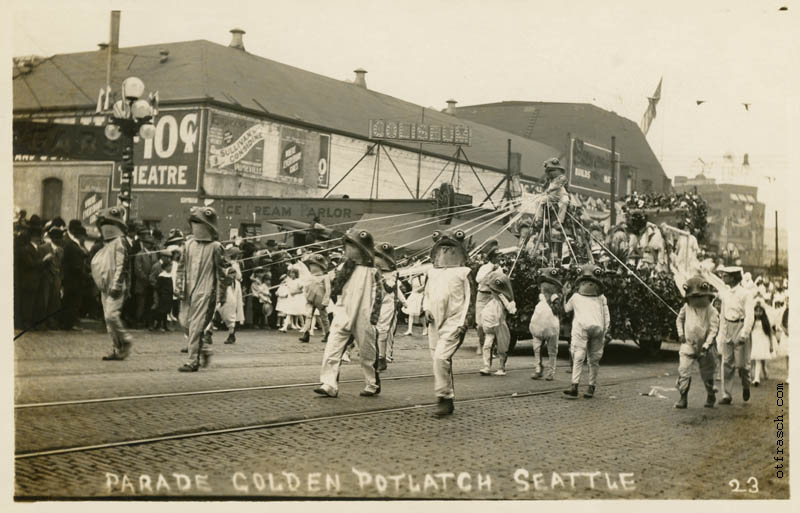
(632, 272)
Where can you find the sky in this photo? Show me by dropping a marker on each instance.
(610, 53)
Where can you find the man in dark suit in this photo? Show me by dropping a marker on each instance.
(74, 267)
(28, 266)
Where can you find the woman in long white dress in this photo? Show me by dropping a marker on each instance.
(233, 309)
(763, 341)
(413, 307)
(295, 305)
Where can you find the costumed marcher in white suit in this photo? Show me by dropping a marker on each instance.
(545, 325)
(698, 324)
(392, 295)
(110, 271)
(201, 283)
(446, 302)
(359, 285)
(484, 294)
(318, 296)
(589, 327)
(493, 322)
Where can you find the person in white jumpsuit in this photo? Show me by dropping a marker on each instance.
(545, 325)
(392, 295)
(484, 293)
(359, 285)
(493, 322)
(446, 302)
(589, 327)
(698, 324)
(201, 283)
(110, 273)
(733, 339)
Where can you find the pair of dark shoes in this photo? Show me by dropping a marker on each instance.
(231, 339)
(382, 364)
(305, 337)
(205, 360)
(572, 392)
(113, 357)
(745, 396)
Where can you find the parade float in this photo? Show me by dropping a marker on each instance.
(646, 259)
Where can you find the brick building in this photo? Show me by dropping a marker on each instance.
(735, 216)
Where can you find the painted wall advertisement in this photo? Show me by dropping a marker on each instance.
(92, 197)
(323, 162)
(170, 160)
(591, 169)
(248, 146)
(236, 144)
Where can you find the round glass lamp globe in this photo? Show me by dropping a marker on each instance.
(147, 131)
(112, 132)
(133, 87)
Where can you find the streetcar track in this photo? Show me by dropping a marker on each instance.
(227, 390)
(295, 422)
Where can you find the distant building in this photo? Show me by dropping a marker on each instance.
(582, 132)
(735, 217)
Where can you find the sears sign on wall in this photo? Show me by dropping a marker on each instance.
(170, 160)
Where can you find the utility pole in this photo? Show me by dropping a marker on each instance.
(508, 171)
(776, 241)
(613, 179)
(113, 46)
(419, 156)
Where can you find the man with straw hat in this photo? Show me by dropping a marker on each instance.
(733, 339)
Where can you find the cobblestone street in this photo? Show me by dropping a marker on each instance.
(510, 438)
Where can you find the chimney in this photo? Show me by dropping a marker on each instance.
(236, 39)
(451, 107)
(361, 80)
(114, 38)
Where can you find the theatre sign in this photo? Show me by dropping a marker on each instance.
(167, 162)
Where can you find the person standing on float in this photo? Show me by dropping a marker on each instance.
(110, 268)
(201, 283)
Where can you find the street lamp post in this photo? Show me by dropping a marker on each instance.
(130, 117)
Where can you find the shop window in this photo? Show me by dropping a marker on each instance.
(152, 224)
(249, 230)
(52, 189)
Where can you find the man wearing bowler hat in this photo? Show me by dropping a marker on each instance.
(74, 267)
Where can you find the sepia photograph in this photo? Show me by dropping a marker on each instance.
(390, 251)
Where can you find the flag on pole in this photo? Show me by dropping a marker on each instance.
(650, 113)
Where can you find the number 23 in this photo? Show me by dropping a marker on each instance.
(752, 481)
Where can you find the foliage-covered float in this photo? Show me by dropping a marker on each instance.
(646, 258)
